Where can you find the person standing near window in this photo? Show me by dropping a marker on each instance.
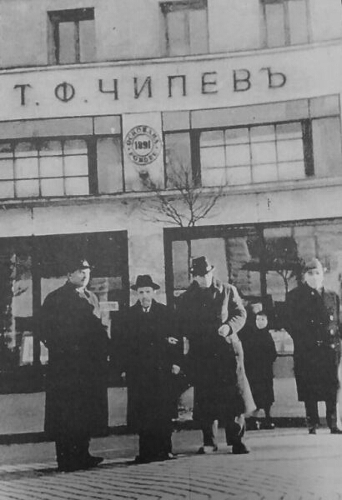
(76, 388)
(210, 314)
(314, 325)
(150, 361)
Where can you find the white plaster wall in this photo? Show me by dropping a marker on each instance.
(233, 25)
(310, 71)
(326, 19)
(131, 29)
(145, 236)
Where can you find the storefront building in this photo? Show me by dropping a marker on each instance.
(98, 97)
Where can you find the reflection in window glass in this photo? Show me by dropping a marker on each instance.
(50, 148)
(6, 150)
(75, 147)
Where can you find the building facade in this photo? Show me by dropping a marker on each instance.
(97, 98)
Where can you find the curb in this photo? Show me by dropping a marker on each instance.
(179, 425)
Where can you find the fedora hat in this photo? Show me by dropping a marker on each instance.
(144, 280)
(200, 266)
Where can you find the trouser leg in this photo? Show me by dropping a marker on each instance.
(234, 430)
(209, 431)
(312, 417)
(79, 450)
(62, 453)
(331, 412)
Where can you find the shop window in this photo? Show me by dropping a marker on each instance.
(31, 268)
(71, 36)
(285, 22)
(186, 27)
(247, 155)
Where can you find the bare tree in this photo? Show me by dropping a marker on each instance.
(185, 203)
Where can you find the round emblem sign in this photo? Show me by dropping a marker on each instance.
(143, 144)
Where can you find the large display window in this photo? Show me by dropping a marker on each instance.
(30, 268)
(263, 261)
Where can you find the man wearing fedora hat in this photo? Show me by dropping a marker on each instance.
(210, 314)
(314, 325)
(150, 362)
(76, 391)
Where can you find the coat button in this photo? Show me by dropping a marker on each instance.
(332, 332)
(331, 317)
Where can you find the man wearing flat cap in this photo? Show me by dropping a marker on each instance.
(314, 325)
(76, 388)
(150, 362)
(210, 314)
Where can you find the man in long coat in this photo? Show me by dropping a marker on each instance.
(150, 361)
(76, 388)
(314, 325)
(210, 315)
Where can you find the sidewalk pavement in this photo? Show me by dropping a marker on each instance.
(22, 415)
(286, 464)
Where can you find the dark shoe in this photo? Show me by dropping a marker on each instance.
(171, 456)
(240, 449)
(313, 430)
(335, 430)
(91, 462)
(204, 450)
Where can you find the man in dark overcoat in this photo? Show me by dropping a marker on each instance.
(314, 325)
(210, 315)
(76, 387)
(150, 362)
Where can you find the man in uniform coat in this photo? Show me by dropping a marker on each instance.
(76, 388)
(150, 362)
(314, 325)
(210, 315)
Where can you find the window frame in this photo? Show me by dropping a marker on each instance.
(92, 175)
(182, 5)
(307, 149)
(286, 18)
(74, 16)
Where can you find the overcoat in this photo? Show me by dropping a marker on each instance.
(314, 325)
(147, 360)
(211, 361)
(76, 385)
(259, 354)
